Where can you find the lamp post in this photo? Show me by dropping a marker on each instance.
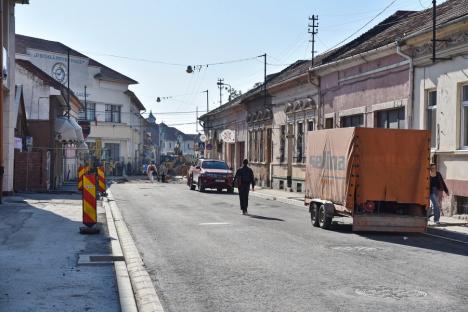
(207, 101)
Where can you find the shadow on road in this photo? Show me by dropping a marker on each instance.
(409, 239)
(264, 218)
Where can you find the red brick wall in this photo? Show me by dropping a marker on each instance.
(30, 171)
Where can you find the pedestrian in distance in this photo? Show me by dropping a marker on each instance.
(243, 179)
(150, 171)
(437, 188)
(163, 172)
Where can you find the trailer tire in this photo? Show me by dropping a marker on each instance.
(313, 214)
(322, 218)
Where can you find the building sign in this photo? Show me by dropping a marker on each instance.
(19, 143)
(209, 146)
(228, 136)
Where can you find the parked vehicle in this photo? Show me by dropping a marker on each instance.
(210, 174)
(379, 177)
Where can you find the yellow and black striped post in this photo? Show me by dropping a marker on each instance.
(101, 180)
(81, 173)
(89, 200)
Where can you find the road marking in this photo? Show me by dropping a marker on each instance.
(447, 238)
(214, 223)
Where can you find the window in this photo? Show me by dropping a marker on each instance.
(329, 123)
(310, 125)
(112, 151)
(261, 147)
(113, 113)
(462, 204)
(464, 118)
(89, 113)
(255, 146)
(215, 165)
(300, 142)
(391, 119)
(268, 146)
(431, 115)
(352, 121)
(282, 142)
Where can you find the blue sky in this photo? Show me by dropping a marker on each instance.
(197, 32)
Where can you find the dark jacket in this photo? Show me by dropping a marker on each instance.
(438, 182)
(244, 177)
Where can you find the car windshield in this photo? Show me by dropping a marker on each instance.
(214, 165)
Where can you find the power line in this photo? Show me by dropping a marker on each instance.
(362, 27)
(174, 64)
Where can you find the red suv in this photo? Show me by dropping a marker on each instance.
(210, 173)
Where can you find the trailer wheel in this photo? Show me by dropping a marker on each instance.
(313, 214)
(323, 220)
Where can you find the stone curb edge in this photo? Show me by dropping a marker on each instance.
(279, 199)
(145, 295)
(126, 297)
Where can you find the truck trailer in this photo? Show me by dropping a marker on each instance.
(379, 177)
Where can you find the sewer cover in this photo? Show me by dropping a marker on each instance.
(390, 292)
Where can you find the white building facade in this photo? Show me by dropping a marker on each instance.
(112, 110)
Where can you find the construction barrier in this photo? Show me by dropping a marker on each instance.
(101, 180)
(82, 170)
(89, 200)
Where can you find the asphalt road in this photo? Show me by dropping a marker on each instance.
(203, 255)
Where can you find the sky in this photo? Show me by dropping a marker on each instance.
(153, 41)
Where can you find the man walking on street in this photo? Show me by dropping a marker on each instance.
(150, 171)
(244, 177)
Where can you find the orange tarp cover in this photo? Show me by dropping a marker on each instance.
(354, 165)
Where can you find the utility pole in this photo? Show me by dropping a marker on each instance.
(85, 104)
(196, 121)
(207, 102)
(264, 55)
(220, 86)
(434, 4)
(313, 30)
(68, 83)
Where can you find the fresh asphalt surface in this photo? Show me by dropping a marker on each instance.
(203, 255)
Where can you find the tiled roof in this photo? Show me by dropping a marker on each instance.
(397, 26)
(25, 42)
(39, 73)
(135, 100)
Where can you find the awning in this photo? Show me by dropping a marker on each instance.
(65, 131)
(79, 131)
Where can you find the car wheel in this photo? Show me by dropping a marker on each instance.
(230, 190)
(323, 220)
(201, 188)
(219, 190)
(192, 186)
(313, 214)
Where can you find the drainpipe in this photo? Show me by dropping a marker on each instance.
(319, 98)
(411, 84)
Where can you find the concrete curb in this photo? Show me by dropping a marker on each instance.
(127, 300)
(145, 295)
(279, 199)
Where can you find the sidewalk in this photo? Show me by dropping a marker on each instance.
(448, 224)
(40, 246)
